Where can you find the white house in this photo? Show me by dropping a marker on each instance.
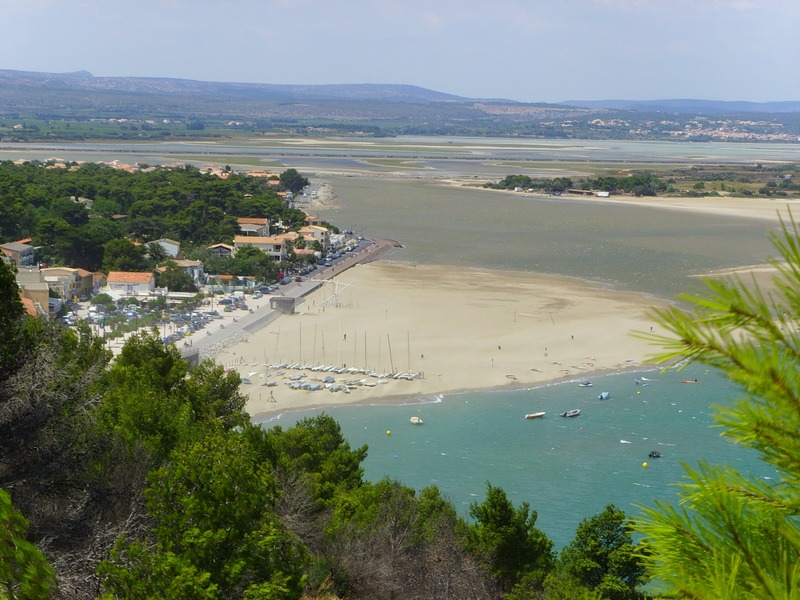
(318, 234)
(171, 247)
(129, 283)
(253, 226)
(273, 246)
(194, 269)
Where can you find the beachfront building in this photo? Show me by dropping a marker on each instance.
(230, 283)
(193, 268)
(19, 254)
(316, 233)
(34, 289)
(313, 220)
(130, 283)
(273, 246)
(253, 226)
(222, 249)
(171, 247)
(68, 282)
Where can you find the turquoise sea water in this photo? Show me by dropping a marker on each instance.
(564, 468)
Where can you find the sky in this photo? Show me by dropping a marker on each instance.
(523, 50)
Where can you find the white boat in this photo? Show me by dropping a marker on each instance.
(604, 395)
(585, 384)
(415, 420)
(536, 415)
(571, 413)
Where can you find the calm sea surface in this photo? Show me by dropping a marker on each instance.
(566, 469)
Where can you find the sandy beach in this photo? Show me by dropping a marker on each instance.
(449, 330)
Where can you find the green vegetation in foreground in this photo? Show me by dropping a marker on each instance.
(781, 180)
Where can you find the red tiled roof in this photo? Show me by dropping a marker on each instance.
(253, 240)
(30, 307)
(129, 277)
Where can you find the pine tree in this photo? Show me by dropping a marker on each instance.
(732, 535)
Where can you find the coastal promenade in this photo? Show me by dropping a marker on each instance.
(234, 329)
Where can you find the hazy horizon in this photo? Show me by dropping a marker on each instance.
(722, 50)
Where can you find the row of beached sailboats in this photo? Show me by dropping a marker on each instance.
(301, 381)
(344, 369)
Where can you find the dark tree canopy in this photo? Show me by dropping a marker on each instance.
(72, 213)
(603, 557)
(293, 181)
(509, 537)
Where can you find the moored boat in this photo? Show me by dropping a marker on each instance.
(415, 420)
(571, 413)
(536, 415)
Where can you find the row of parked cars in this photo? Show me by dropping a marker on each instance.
(186, 323)
(233, 302)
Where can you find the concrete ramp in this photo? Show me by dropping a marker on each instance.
(284, 304)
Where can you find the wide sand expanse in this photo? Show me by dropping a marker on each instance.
(453, 330)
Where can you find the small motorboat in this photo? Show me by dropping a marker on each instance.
(654, 454)
(536, 415)
(571, 413)
(586, 384)
(415, 420)
(604, 395)
(689, 381)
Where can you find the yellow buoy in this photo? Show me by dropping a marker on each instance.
(644, 465)
(388, 432)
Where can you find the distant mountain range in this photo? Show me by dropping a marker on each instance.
(85, 81)
(364, 109)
